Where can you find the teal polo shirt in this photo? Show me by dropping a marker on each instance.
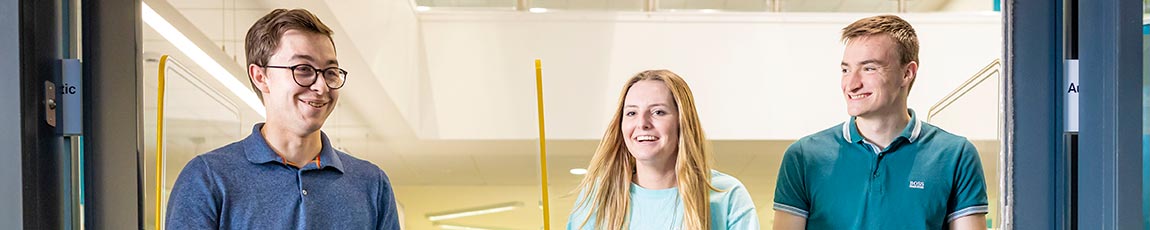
(924, 179)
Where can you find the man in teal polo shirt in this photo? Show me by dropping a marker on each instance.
(884, 168)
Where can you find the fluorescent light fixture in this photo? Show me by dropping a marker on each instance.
(459, 227)
(537, 10)
(709, 11)
(475, 211)
(201, 58)
(422, 8)
(578, 171)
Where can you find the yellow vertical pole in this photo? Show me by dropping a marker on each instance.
(160, 141)
(542, 143)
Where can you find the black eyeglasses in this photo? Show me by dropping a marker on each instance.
(305, 75)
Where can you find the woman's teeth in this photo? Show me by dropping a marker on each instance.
(645, 138)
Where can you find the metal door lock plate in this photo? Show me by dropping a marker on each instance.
(50, 103)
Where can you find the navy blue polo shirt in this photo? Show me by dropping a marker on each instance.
(246, 185)
(924, 179)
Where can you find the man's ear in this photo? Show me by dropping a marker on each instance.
(910, 74)
(259, 78)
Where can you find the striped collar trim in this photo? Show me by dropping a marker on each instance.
(911, 133)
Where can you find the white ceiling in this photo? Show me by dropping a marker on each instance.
(433, 176)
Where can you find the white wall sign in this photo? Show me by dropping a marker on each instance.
(1071, 89)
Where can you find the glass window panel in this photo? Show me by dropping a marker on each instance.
(951, 5)
(590, 5)
(887, 6)
(197, 118)
(435, 176)
(434, 179)
(745, 154)
(467, 3)
(721, 5)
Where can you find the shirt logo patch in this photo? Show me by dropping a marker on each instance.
(917, 184)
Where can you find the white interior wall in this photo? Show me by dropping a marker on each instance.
(969, 6)
(385, 35)
(755, 76)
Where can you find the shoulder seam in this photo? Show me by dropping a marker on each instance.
(211, 174)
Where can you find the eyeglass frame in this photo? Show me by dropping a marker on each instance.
(318, 72)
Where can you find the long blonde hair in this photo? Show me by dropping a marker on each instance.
(606, 189)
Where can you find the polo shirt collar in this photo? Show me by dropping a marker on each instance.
(911, 133)
(257, 150)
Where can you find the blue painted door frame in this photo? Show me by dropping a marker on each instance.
(1109, 165)
(1110, 147)
(1037, 189)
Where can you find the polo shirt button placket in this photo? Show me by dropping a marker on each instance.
(878, 183)
(300, 179)
(875, 168)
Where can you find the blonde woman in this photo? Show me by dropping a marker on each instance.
(652, 169)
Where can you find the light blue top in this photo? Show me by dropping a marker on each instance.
(731, 208)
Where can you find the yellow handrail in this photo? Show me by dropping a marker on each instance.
(542, 143)
(160, 139)
(989, 70)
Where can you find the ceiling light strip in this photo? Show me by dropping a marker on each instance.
(201, 58)
(475, 212)
(459, 227)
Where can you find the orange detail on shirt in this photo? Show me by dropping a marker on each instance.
(285, 161)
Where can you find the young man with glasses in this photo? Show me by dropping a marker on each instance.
(286, 174)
